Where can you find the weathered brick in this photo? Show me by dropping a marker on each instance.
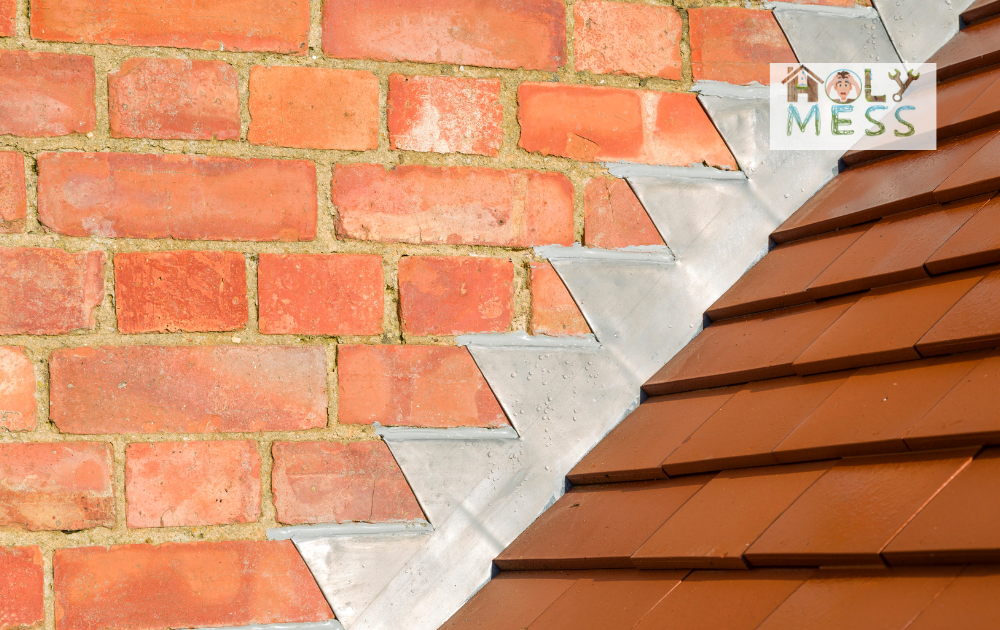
(233, 25)
(422, 386)
(320, 294)
(614, 218)
(46, 94)
(553, 310)
(445, 114)
(13, 195)
(314, 108)
(456, 205)
(184, 585)
(22, 589)
(48, 291)
(178, 389)
(528, 34)
(177, 196)
(624, 38)
(324, 482)
(596, 123)
(736, 45)
(174, 99)
(180, 291)
(66, 485)
(174, 484)
(452, 295)
(17, 390)
(8, 12)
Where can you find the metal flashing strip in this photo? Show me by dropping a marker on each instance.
(657, 254)
(625, 170)
(718, 88)
(410, 434)
(327, 530)
(332, 624)
(524, 340)
(824, 10)
(919, 28)
(834, 35)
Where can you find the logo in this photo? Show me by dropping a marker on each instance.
(825, 106)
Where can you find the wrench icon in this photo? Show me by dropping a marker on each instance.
(911, 76)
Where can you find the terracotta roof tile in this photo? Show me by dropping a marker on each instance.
(980, 9)
(723, 600)
(969, 415)
(971, 324)
(635, 449)
(970, 601)
(961, 524)
(975, 243)
(980, 174)
(844, 600)
(894, 249)
(955, 97)
(972, 48)
(877, 189)
(874, 409)
(748, 427)
(855, 509)
(781, 277)
(747, 348)
(717, 525)
(598, 527)
(885, 324)
(490, 608)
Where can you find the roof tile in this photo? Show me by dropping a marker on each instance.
(970, 601)
(971, 324)
(980, 174)
(980, 9)
(976, 243)
(855, 509)
(715, 527)
(490, 608)
(955, 97)
(972, 48)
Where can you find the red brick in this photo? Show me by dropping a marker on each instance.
(423, 386)
(180, 291)
(48, 291)
(8, 11)
(22, 589)
(17, 390)
(623, 38)
(174, 98)
(66, 485)
(553, 311)
(13, 198)
(177, 196)
(46, 94)
(314, 108)
(177, 389)
(233, 25)
(528, 34)
(451, 295)
(456, 205)
(323, 482)
(445, 114)
(614, 218)
(320, 294)
(736, 45)
(595, 123)
(184, 585)
(176, 484)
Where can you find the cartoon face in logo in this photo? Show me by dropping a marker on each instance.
(843, 86)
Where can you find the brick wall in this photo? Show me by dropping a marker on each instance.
(233, 235)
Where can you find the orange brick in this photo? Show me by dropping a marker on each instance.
(184, 585)
(445, 114)
(422, 386)
(176, 484)
(325, 482)
(233, 25)
(595, 123)
(46, 94)
(456, 205)
(623, 38)
(174, 98)
(17, 390)
(13, 198)
(66, 485)
(180, 291)
(553, 310)
(614, 218)
(22, 589)
(48, 291)
(451, 295)
(320, 294)
(177, 196)
(8, 11)
(528, 34)
(314, 108)
(178, 389)
(736, 45)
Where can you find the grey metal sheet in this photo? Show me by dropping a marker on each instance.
(919, 28)
(820, 34)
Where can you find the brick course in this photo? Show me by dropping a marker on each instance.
(17, 390)
(449, 295)
(614, 218)
(8, 11)
(13, 199)
(624, 38)
(46, 94)
(736, 45)
(22, 594)
(47, 291)
(553, 310)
